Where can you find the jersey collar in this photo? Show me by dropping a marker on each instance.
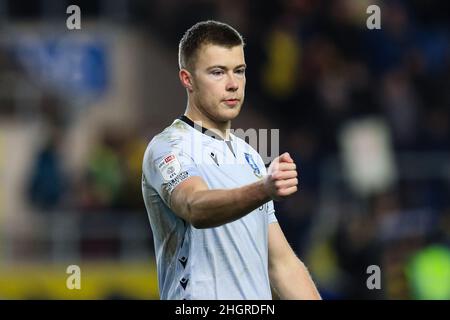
(203, 130)
(207, 132)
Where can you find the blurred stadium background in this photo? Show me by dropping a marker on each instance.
(364, 112)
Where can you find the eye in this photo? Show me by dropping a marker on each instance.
(217, 73)
(240, 71)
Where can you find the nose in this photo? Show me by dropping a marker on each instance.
(232, 83)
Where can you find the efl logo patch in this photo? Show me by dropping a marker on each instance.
(253, 164)
(169, 167)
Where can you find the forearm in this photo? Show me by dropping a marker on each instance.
(204, 208)
(292, 281)
(212, 208)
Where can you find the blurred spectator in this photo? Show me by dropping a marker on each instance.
(133, 152)
(48, 181)
(428, 272)
(103, 179)
(400, 105)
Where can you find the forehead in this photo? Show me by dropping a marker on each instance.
(212, 55)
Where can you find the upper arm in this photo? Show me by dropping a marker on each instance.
(173, 174)
(180, 199)
(280, 252)
(288, 275)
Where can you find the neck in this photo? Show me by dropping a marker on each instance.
(206, 121)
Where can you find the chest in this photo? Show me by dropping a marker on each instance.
(223, 166)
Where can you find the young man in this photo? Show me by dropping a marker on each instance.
(207, 192)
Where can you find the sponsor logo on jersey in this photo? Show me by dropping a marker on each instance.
(176, 181)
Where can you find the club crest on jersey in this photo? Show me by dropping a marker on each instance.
(253, 164)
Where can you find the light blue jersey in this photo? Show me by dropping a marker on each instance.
(225, 262)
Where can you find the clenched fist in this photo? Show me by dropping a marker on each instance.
(281, 180)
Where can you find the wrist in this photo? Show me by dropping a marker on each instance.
(265, 188)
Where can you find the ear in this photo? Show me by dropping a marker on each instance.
(186, 79)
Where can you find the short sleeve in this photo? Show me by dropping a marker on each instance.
(166, 166)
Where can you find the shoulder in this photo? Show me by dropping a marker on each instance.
(175, 137)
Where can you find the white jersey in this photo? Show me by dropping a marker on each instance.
(225, 262)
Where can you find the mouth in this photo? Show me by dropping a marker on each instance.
(231, 102)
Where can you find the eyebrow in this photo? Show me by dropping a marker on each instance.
(225, 68)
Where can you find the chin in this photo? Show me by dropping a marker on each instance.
(230, 114)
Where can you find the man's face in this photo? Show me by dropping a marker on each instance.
(219, 81)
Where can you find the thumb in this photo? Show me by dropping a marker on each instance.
(285, 157)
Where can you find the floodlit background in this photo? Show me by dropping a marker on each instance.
(365, 114)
